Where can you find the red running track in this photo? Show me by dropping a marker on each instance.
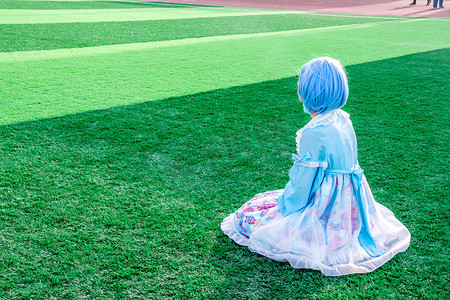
(356, 7)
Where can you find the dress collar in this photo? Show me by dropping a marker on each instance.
(321, 119)
(326, 118)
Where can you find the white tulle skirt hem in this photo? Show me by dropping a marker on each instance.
(297, 260)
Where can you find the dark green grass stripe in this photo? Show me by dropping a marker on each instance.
(21, 37)
(17, 4)
(128, 201)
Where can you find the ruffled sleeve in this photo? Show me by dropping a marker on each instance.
(306, 174)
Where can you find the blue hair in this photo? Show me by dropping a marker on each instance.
(323, 85)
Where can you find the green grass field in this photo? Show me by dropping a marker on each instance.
(129, 130)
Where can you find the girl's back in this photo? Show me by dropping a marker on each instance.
(326, 217)
(333, 135)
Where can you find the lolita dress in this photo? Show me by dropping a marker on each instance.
(326, 217)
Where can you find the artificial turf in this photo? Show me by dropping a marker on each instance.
(41, 84)
(46, 36)
(81, 4)
(126, 202)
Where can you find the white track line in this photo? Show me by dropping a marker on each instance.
(20, 56)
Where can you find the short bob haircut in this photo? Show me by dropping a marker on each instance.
(323, 85)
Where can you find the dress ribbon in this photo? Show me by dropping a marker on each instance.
(365, 237)
(301, 159)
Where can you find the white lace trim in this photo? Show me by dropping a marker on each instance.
(313, 164)
(372, 263)
(304, 161)
(322, 119)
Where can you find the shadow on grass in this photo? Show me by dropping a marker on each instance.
(392, 104)
(135, 194)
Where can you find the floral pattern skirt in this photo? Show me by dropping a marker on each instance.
(322, 236)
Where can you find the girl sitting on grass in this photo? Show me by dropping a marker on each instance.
(326, 217)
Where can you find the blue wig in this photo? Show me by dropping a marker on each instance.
(322, 85)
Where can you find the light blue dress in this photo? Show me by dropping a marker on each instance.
(326, 217)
